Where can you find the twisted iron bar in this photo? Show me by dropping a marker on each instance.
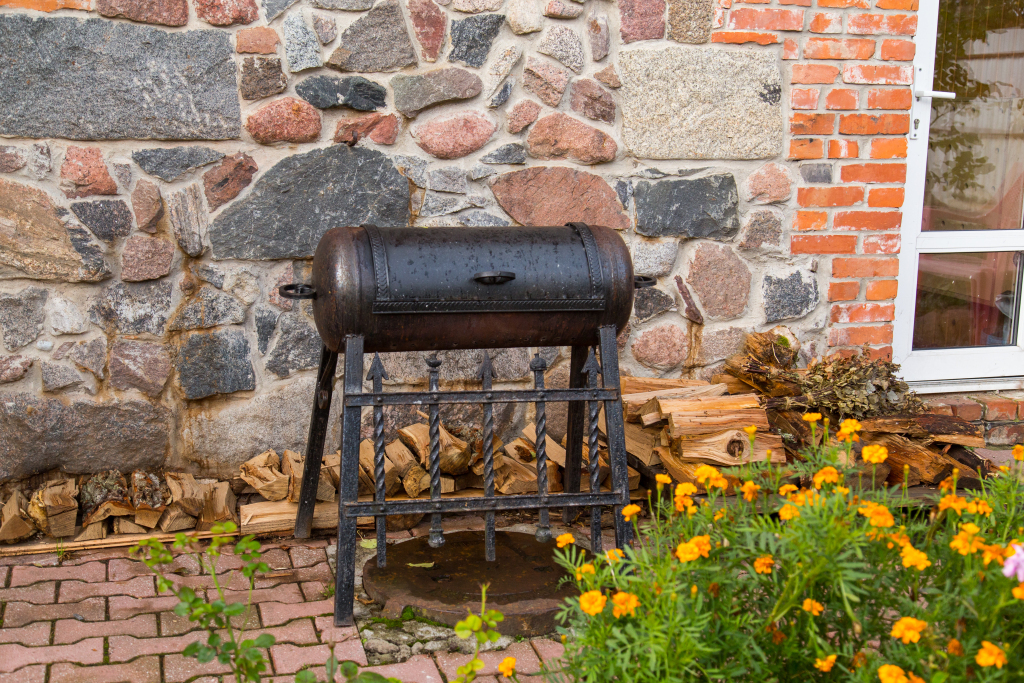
(436, 539)
(539, 365)
(378, 374)
(488, 449)
(592, 369)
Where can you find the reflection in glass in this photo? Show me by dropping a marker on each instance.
(975, 177)
(967, 299)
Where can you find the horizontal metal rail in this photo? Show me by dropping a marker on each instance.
(509, 396)
(481, 504)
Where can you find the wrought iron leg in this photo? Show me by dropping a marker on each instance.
(616, 433)
(377, 375)
(486, 372)
(345, 581)
(539, 365)
(592, 370)
(574, 431)
(315, 442)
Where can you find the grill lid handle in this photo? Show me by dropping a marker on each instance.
(297, 291)
(494, 277)
(641, 281)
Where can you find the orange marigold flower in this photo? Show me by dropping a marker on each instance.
(718, 515)
(914, 678)
(813, 606)
(966, 542)
(584, 569)
(874, 454)
(841, 490)
(946, 484)
(990, 655)
(662, 480)
(624, 604)
(908, 629)
(507, 667)
(954, 648)
(592, 602)
(890, 673)
(826, 475)
(812, 417)
(953, 502)
(850, 425)
(912, 557)
(1018, 452)
(788, 512)
(714, 588)
(825, 664)
(749, 490)
(705, 472)
(683, 503)
(630, 511)
(787, 488)
(878, 515)
(1018, 591)
(764, 564)
(693, 591)
(702, 543)
(994, 552)
(686, 489)
(614, 555)
(859, 660)
(979, 506)
(564, 540)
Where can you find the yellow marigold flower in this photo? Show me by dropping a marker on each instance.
(707, 473)
(592, 602)
(953, 502)
(584, 569)
(507, 667)
(687, 552)
(979, 506)
(630, 511)
(702, 544)
(685, 489)
(914, 678)
(826, 475)
(662, 480)
(966, 542)
(624, 604)
(764, 564)
(912, 557)
(693, 591)
(751, 430)
(788, 512)
(825, 664)
(874, 454)
(850, 425)
(993, 552)
(1018, 452)
(718, 515)
(614, 555)
(1004, 469)
(813, 606)
(691, 511)
(890, 673)
(946, 484)
(787, 488)
(812, 417)
(1018, 592)
(749, 490)
(841, 490)
(990, 655)
(878, 515)
(954, 648)
(564, 540)
(908, 629)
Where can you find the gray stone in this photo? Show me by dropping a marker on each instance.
(62, 80)
(654, 258)
(208, 307)
(91, 356)
(301, 45)
(64, 317)
(377, 646)
(133, 308)
(11, 159)
(415, 93)
(296, 201)
(502, 67)
(44, 344)
(39, 160)
(124, 175)
(524, 17)
(57, 376)
(274, 8)
(763, 229)
(472, 37)
(624, 188)
(209, 273)
(691, 207)
(108, 219)
(719, 345)
(354, 92)
(448, 179)
(564, 44)
(265, 319)
(480, 171)
(139, 365)
(21, 316)
(501, 97)
(188, 219)
(816, 173)
(297, 346)
(79, 436)
(461, 365)
(347, 5)
(326, 28)
(171, 163)
(209, 363)
(512, 153)
(650, 302)
(244, 284)
(413, 168)
(689, 21)
(701, 103)
(13, 368)
(62, 350)
(377, 41)
(438, 204)
(721, 280)
(789, 297)
(481, 219)
(261, 77)
(599, 36)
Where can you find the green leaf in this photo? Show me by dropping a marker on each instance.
(306, 676)
(368, 543)
(940, 677)
(235, 609)
(265, 640)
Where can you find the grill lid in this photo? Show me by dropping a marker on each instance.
(456, 270)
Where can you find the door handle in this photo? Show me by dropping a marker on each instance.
(494, 277)
(935, 94)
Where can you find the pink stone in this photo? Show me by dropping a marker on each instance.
(769, 184)
(165, 12)
(429, 23)
(13, 368)
(663, 347)
(556, 9)
(227, 12)
(522, 115)
(558, 195)
(454, 136)
(609, 77)
(527, 661)
(642, 20)
(380, 128)
(224, 181)
(285, 120)
(419, 669)
(84, 174)
(146, 258)
(545, 81)
(557, 136)
(591, 100)
(260, 40)
(721, 280)
(13, 657)
(147, 205)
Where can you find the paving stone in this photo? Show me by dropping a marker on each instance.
(787, 297)
(354, 92)
(692, 207)
(285, 120)
(179, 668)
(377, 42)
(609, 77)
(83, 173)
(414, 93)
(591, 100)
(418, 669)
(73, 630)
(326, 28)
(123, 648)
(170, 13)
(91, 356)
(290, 659)
(512, 153)
(31, 635)
(142, 670)
(558, 136)
(564, 44)
(331, 633)
(146, 258)
(44, 593)
(13, 657)
(472, 37)
(261, 40)
(28, 674)
(21, 316)
(522, 115)
(21, 613)
(545, 81)
(261, 77)
(527, 661)
(211, 363)
(13, 368)
(92, 572)
(227, 12)
(147, 205)
(558, 195)
(306, 557)
(11, 159)
(689, 21)
(721, 281)
(126, 607)
(169, 164)
(301, 45)
(277, 613)
(763, 229)
(641, 20)
(650, 302)
(768, 185)
(139, 587)
(430, 24)
(454, 136)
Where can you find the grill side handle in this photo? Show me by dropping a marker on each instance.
(297, 291)
(642, 281)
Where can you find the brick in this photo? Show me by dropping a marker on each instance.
(871, 74)
(890, 98)
(418, 669)
(1005, 435)
(874, 124)
(318, 572)
(31, 635)
(790, 49)
(895, 50)
(36, 560)
(287, 593)
(843, 4)
(812, 124)
(740, 37)
(996, 407)
(123, 606)
(965, 408)
(823, 244)
(91, 572)
(897, 4)
(276, 613)
(13, 657)
(938, 408)
(826, 22)
(874, 173)
(306, 557)
(121, 570)
(314, 590)
(749, 19)
(139, 587)
(143, 670)
(889, 148)
(800, 3)
(880, 290)
(179, 668)
(4, 573)
(298, 632)
(858, 336)
(839, 48)
(288, 659)
(829, 196)
(862, 313)
(843, 149)
(809, 74)
(886, 197)
(30, 674)
(73, 630)
(173, 625)
(98, 555)
(37, 594)
(887, 24)
(842, 98)
(548, 650)
(865, 267)
(806, 149)
(843, 291)
(527, 661)
(123, 648)
(21, 613)
(867, 220)
(803, 98)
(810, 220)
(881, 244)
(329, 633)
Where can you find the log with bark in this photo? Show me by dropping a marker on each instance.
(454, 453)
(923, 464)
(105, 495)
(149, 496)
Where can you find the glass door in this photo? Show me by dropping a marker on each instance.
(958, 308)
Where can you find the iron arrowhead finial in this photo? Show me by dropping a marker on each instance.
(433, 361)
(538, 364)
(377, 369)
(591, 368)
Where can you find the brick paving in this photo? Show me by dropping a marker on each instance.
(97, 618)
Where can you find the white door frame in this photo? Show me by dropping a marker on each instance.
(937, 370)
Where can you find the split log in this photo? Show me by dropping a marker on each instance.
(123, 525)
(477, 468)
(15, 524)
(554, 451)
(941, 428)
(686, 472)
(54, 508)
(640, 441)
(925, 464)
(176, 519)
(682, 424)
(447, 484)
(729, 449)
(93, 532)
(293, 465)
(367, 462)
(638, 385)
(218, 508)
(400, 456)
(150, 496)
(263, 473)
(521, 449)
(633, 403)
(188, 494)
(402, 522)
(105, 495)
(515, 477)
(415, 481)
(734, 385)
(470, 480)
(454, 452)
(332, 468)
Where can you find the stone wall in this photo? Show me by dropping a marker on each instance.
(165, 165)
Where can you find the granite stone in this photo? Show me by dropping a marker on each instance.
(689, 21)
(429, 23)
(39, 165)
(167, 13)
(261, 77)
(275, 8)
(590, 99)
(139, 365)
(448, 179)
(454, 136)
(556, 9)
(297, 346)
(12, 159)
(146, 258)
(654, 258)
(472, 38)
(769, 184)
(171, 163)
(598, 35)
(523, 16)
(209, 307)
(662, 348)
(718, 345)
(210, 363)
(501, 97)
(58, 376)
(227, 12)
(108, 219)
(147, 205)
(522, 115)
(691, 207)
(558, 136)
(558, 195)
(223, 182)
(326, 28)
(376, 42)
(545, 81)
(650, 302)
(285, 120)
(13, 368)
(84, 174)
(721, 280)
(762, 229)
(502, 67)
(188, 219)
(91, 356)
(480, 219)
(381, 129)
(133, 308)
(609, 76)
(414, 93)
(265, 319)
(346, 5)
(354, 92)
(64, 317)
(475, 6)
(512, 153)
(792, 296)
(641, 20)
(21, 316)
(301, 45)
(260, 40)
(564, 44)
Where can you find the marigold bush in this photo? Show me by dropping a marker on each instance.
(807, 575)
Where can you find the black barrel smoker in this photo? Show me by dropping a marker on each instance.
(415, 289)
